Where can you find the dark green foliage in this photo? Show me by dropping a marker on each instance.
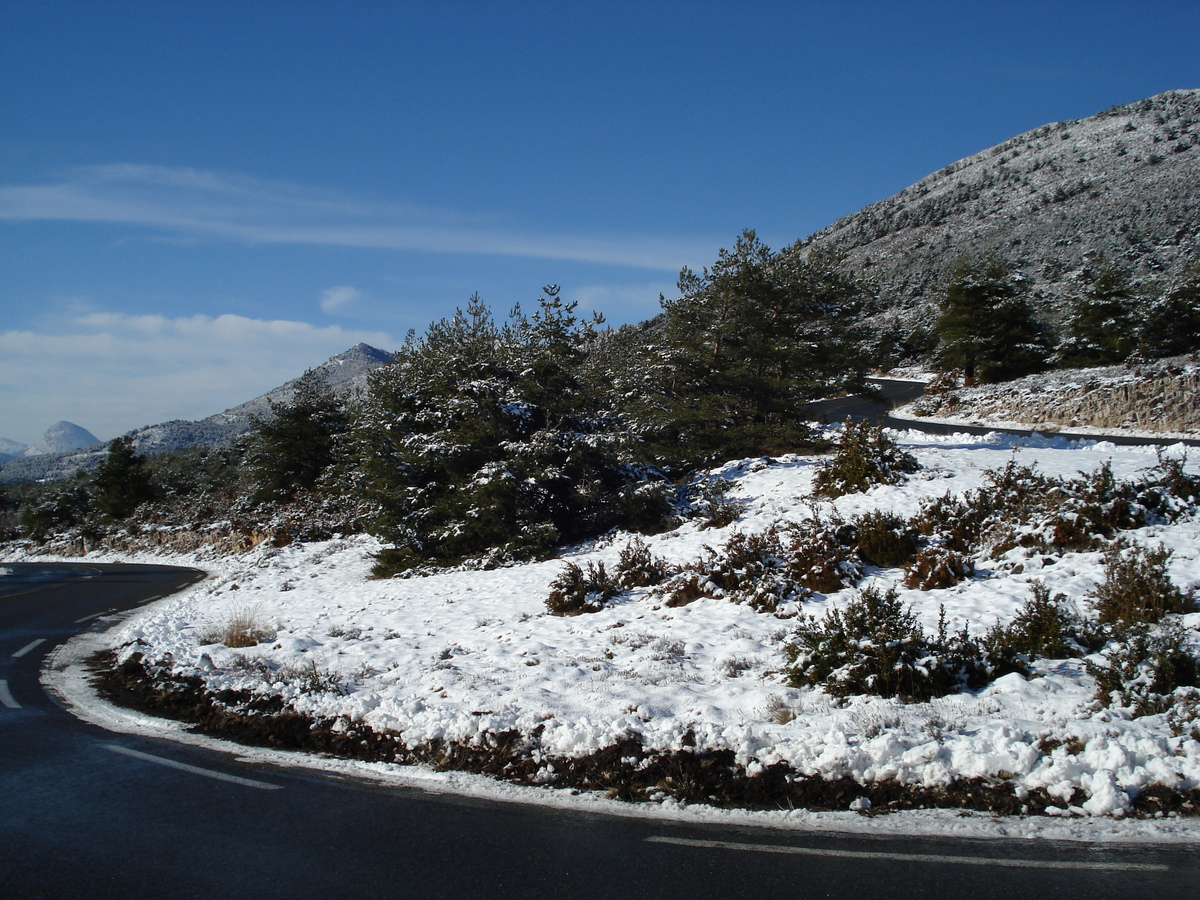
(747, 343)
(865, 457)
(986, 325)
(707, 500)
(121, 483)
(1144, 666)
(56, 510)
(875, 646)
(885, 539)
(1137, 587)
(290, 450)
(1043, 628)
(1104, 319)
(483, 442)
(638, 567)
(1172, 322)
(577, 591)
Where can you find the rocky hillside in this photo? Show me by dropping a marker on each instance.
(1124, 182)
(1156, 398)
(345, 373)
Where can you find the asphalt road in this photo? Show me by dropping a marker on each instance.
(88, 813)
(898, 393)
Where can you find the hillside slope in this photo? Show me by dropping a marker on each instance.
(1124, 183)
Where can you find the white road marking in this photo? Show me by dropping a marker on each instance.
(195, 770)
(89, 618)
(913, 857)
(32, 645)
(6, 696)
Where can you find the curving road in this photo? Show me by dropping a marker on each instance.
(88, 813)
(894, 393)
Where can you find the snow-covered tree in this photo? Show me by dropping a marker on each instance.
(986, 325)
(485, 441)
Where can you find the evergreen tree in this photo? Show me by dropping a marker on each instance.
(1172, 323)
(121, 483)
(292, 449)
(483, 441)
(748, 342)
(986, 325)
(1104, 321)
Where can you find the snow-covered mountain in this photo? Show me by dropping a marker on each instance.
(62, 437)
(345, 373)
(10, 449)
(1124, 183)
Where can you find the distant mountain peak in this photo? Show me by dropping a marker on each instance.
(62, 437)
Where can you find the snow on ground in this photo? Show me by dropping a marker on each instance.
(459, 653)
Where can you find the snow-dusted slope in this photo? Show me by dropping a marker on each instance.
(62, 437)
(455, 655)
(1124, 182)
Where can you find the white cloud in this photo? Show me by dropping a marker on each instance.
(337, 298)
(111, 372)
(240, 208)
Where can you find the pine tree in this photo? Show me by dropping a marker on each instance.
(290, 450)
(1105, 318)
(747, 343)
(986, 325)
(1172, 323)
(121, 483)
(487, 442)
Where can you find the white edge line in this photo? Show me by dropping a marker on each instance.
(195, 770)
(911, 857)
(6, 697)
(32, 645)
(89, 618)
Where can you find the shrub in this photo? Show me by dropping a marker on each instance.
(577, 591)
(865, 457)
(766, 569)
(1136, 586)
(1145, 667)
(885, 539)
(638, 567)
(937, 567)
(1041, 629)
(875, 646)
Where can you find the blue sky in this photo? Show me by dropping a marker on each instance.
(200, 200)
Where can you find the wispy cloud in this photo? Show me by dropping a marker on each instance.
(252, 210)
(111, 372)
(336, 299)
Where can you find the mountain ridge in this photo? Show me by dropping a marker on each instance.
(1124, 183)
(344, 372)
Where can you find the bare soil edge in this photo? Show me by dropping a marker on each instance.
(623, 771)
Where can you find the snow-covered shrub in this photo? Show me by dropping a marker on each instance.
(1042, 628)
(875, 646)
(576, 590)
(865, 457)
(767, 569)
(638, 567)
(1144, 667)
(937, 567)
(1137, 587)
(707, 501)
(885, 539)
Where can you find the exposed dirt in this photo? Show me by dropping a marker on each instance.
(624, 771)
